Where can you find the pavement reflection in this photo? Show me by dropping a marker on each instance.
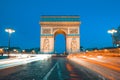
(108, 67)
(56, 68)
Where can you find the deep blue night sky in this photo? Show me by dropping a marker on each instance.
(97, 16)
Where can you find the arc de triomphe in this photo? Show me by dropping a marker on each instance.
(53, 25)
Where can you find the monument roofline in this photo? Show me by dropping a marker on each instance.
(58, 18)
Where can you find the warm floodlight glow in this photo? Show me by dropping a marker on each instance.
(1, 50)
(14, 50)
(23, 51)
(33, 51)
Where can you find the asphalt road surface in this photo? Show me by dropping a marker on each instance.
(56, 68)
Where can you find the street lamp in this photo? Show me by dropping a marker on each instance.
(10, 31)
(112, 31)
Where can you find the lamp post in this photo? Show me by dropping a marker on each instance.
(10, 31)
(112, 31)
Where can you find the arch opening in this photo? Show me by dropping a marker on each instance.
(59, 32)
(59, 42)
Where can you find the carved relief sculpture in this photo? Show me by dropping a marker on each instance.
(46, 44)
(73, 44)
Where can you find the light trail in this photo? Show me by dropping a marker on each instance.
(19, 61)
(106, 66)
(103, 62)
(92, 67)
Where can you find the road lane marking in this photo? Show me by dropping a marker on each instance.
(48, 74)
(59, 72)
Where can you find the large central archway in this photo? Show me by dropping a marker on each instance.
(60, 42)
(53, 25)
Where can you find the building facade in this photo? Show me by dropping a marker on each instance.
(53, 25)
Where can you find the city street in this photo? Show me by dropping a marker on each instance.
(60, 40)
(55, 68)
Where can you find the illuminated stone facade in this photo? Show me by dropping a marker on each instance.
(53, 25)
